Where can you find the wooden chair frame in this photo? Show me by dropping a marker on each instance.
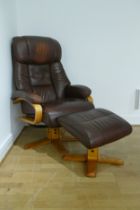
(54, 136)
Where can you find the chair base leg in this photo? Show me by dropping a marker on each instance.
(71, 157)
(112, 161)
(91, 168)
(53, 135)
(37, 143)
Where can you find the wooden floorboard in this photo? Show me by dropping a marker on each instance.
(39, 179)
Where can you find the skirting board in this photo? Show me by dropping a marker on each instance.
(8, 142)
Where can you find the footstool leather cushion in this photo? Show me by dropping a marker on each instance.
(95, 127)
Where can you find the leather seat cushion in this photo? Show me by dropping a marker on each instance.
(96, 127)
(53, 110)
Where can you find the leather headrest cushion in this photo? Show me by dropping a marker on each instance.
(35, 50)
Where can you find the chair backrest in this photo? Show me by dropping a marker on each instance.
(37, 67)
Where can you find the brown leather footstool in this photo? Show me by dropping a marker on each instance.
(95, 128)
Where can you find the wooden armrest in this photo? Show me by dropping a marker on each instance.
(38, 112)
(90, 99)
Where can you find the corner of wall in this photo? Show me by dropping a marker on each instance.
(8, 142)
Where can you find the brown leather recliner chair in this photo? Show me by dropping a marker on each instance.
(47, 96)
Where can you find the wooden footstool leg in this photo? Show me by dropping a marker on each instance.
(91, 168)
(92, 158)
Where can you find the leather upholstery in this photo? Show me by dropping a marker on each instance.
(40, 78)
(30, 97)
(59, 78)
(36, 50)
(77, 91)
(96, 127)
(52, 111)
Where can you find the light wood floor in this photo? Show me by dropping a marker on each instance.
(39, 179)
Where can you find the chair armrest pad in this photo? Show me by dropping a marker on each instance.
(79, 91)
(29, 97)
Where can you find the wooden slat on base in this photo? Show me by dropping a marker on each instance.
(111, 161)
(75, 157)
(37, 143)
(69, 139)
(91, 168)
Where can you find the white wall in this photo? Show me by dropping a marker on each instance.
(9, 127)
(100, 41)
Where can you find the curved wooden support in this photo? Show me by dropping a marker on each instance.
(38, 112)
(90, 99)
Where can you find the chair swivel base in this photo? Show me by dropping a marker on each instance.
(91, 158)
